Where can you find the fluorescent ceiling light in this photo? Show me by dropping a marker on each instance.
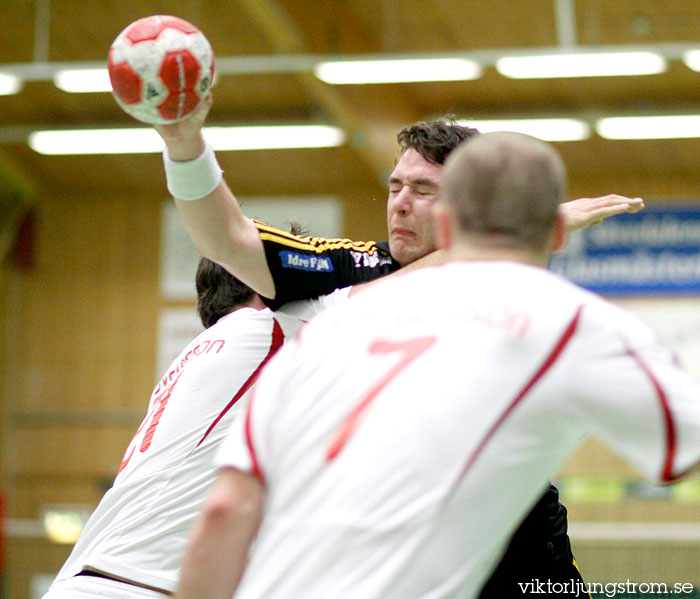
(649, 127)
(691, 58)
(83, 80)
(262, 138)
(559, 129)
(145, 140)
(397, 71)
(599, 64)
(9, 84)
(96, 141)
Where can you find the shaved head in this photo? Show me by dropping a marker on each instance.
(505, 187)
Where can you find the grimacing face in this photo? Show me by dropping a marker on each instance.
(413, 190)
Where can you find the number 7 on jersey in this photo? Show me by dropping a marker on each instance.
(409, 350)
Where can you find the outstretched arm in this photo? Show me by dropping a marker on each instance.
(214, 221)
(585, 212)
(221, 536)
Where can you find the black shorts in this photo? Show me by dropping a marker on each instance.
(538, 561)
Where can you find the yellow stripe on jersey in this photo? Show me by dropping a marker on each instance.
(312, 244)
(588, 593)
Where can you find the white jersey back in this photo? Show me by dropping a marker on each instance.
(140, 527)
(405, 434)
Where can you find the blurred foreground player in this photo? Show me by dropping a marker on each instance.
(408, 481)
(133, 543)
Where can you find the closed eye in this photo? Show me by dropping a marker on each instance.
(425, 190)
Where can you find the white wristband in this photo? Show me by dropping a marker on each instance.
(192, 179)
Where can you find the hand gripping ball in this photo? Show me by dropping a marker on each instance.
(161, 68)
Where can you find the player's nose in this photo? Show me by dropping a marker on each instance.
(402, 201)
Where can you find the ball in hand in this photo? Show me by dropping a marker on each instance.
(161, 68)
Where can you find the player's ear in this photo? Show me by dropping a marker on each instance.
(559, 236)
(442, 222)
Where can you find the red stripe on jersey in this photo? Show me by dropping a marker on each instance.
(666, 474)
(275, 343)
(255, 468)
(546, 365)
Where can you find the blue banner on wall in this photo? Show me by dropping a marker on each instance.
(655, 251)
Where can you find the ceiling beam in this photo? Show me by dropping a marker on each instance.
(373, 136)
(304, 62)
(565, 13)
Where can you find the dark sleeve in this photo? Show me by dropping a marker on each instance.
(539, 549)
(306, 267)
(544, 531)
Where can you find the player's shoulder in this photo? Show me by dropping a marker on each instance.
(242, 315)
(601, 317)
(620, 320)
(269, 233)
(241, 322)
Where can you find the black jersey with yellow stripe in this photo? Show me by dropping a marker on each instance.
(307, 267)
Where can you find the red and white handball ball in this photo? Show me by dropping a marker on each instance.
(161, 68)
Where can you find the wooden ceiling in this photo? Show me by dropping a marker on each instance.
(46, 32)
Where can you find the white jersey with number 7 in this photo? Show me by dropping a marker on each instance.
(404, 435)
